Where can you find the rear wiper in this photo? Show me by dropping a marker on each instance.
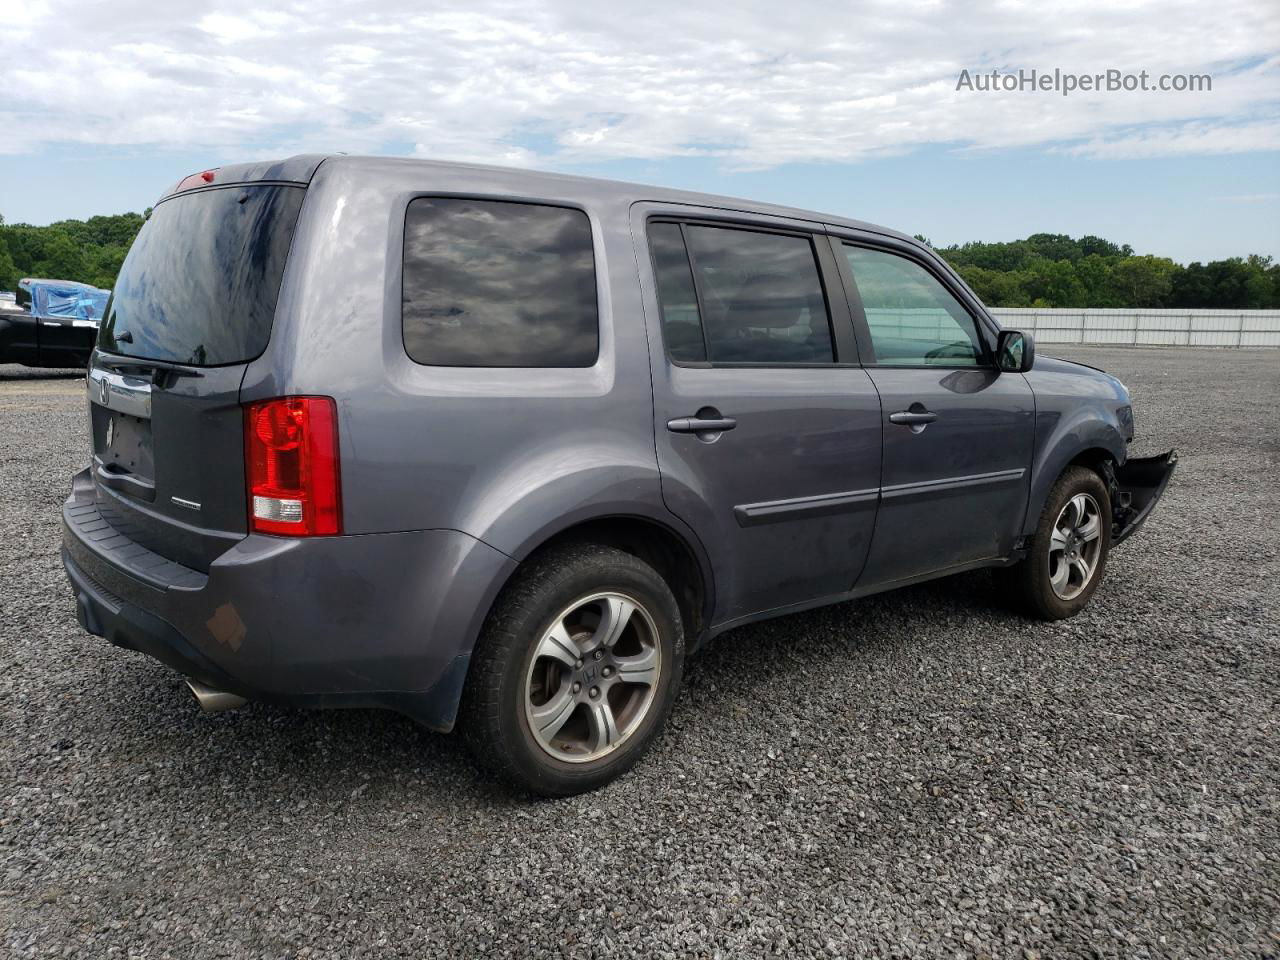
(114, 362)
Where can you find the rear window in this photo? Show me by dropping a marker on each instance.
(489, 283)
(200, 283)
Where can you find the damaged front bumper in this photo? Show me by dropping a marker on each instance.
(1135, 489)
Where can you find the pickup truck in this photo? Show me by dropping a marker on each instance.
(56, 328)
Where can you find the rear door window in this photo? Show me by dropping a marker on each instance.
(491, 283)
(200, 283)
(681, 326)
(757, 297)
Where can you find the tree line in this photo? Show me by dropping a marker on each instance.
(1044, 270)
(89, 251)
(1055, 270)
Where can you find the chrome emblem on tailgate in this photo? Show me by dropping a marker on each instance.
(129, 395)
(111, 427)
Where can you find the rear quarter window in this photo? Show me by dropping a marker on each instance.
(491, 283)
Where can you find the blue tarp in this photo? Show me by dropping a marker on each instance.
(66, 300)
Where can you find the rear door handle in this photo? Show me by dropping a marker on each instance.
(701, 424)
(911, 418)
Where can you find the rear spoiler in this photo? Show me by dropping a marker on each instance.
(299, 169)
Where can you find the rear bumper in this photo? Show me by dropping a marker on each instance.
(1139, 485)
(383, 620)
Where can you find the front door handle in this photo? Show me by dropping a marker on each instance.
(916, 417)
(701, 424)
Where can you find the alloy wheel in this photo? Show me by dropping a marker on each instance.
(593, 677)
(1075, 546)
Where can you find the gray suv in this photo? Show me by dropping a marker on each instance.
(496, 449)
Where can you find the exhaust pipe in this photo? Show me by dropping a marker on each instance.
(214, 701)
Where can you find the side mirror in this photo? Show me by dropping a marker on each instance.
(1015, 351)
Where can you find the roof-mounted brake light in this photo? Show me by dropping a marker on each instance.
(196, 179)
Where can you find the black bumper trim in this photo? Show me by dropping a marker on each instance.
(126, 625)
(1139, 485)
(94, 533)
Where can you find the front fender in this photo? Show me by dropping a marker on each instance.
(1083, 416)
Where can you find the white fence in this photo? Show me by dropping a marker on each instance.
(1195, 328)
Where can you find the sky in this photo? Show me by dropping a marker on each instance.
(857, 109)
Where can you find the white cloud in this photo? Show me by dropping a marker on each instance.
(230, 29)
(754, 84)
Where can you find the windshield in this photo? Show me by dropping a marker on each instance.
(199, 285)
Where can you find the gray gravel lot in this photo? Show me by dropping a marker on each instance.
(922, 773)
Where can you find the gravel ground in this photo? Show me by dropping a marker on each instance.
(921, 773)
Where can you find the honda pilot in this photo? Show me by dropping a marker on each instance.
(497, 449)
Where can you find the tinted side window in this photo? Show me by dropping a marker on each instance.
(761, 296)
(681, 327)
(912, 317)
(489, 283)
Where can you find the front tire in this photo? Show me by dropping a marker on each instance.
(575, 671)
(1068, 554)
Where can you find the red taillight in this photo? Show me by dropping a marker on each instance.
(291, 461)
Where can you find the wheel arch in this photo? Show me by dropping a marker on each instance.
(1093, 458)
(677, 556)
(1089, 441)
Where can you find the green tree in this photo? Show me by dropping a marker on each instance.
(994, 288)
(1094, 273)
(8, 271)
(1055, 270)
(104, 264)
(1234, 283)
(1053, 283)
(1054, 246)
(90, 251)
(993, 256)
(1091, 245)
(1142, 281)
(1272, 271)
(62, 259)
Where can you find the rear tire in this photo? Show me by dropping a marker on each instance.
(1068, 554)
(575, 671)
